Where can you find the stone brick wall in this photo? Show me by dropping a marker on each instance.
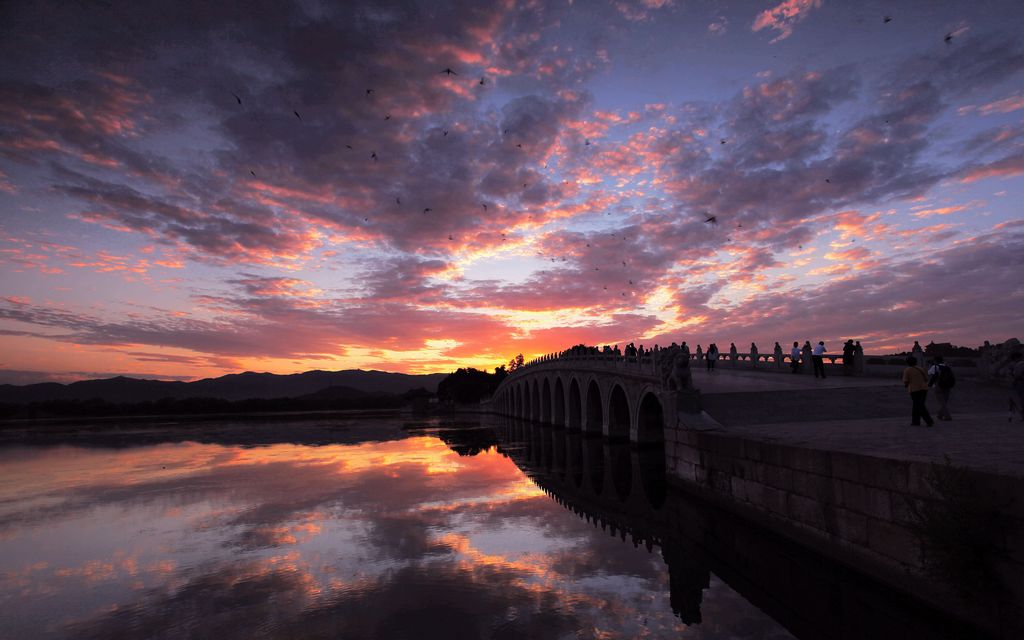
(853, 507)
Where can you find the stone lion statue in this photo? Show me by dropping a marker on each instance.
(675, 370)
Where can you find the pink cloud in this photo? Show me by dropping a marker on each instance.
(784, 17)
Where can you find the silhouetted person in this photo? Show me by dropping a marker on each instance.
(941, 378)
(685, 349)
(712, 356)
(794, 357)
(753, 354)
(817, 358)
(1017, 384)
(777, 353)
(848, 358)
(916, 382)
(700, 354)
(732, 352)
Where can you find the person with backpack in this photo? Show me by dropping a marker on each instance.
(916, 382)
(941, 378)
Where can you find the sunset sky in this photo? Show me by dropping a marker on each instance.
(190, 189)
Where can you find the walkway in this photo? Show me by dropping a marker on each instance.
(869, 416)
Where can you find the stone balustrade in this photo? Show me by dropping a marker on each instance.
(864, 364)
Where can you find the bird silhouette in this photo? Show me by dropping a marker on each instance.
(949, 37)
(427, 210)
(524, 186)
(369, 92)
(484, 205)
(519, 146)
(483, 81)
(712, 219)
(348, 146)
(449, 72)
(387, 117)
(722, 141)
(505, 132)
(739, 225)
(887, 19)
(586, 142)
(450, 237)
(237, 98)
(297, 115)
(445, 131)
(828, 180)
(252, 172)
(630, 282)
(373, 156)
(398, 201)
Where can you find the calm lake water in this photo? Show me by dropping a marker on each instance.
(355, 528)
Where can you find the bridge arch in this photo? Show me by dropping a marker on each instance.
(618, 414)
(545, 402)
(595, 412)
(650, 421)
(575, 405)
(526, 401)
(558, 418)
(535, 401)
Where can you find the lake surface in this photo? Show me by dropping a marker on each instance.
(366, 528)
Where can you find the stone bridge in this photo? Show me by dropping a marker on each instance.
(615, 396)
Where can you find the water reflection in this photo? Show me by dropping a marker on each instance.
(427, 530)
(391, 530)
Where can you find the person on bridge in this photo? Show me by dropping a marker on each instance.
(685, 349)
(916, 382)
(818, 360)
(712, 357)
(941, 378)
(1017, 384)
(794, 357)
(848, 358)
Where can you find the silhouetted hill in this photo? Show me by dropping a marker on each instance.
(240, 386)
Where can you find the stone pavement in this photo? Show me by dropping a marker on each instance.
(869, 416)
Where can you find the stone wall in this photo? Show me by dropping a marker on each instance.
(854, 508)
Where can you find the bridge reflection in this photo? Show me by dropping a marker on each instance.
(623, 490)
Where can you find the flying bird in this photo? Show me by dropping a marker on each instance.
(483, 81)
(450, 237)
(373, 156)
(505, 132)
(297, 115)
(520, 145)
(887, 19)
(427, 210)
(398, 201)
(586, 142)
(387, 117)
(449, 72)
(723, 141)
(445, 131)
(237, 98)
(348, 146)
(828, 180)
(252, 172)
(712, 219)
(484, 205)
(369, 92)
(949, 37)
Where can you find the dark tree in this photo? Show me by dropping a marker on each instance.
(469, 386)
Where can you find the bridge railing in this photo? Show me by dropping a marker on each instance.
(648, 363)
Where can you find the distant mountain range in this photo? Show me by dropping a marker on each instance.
(236, 386)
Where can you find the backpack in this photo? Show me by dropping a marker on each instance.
(946, 378)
